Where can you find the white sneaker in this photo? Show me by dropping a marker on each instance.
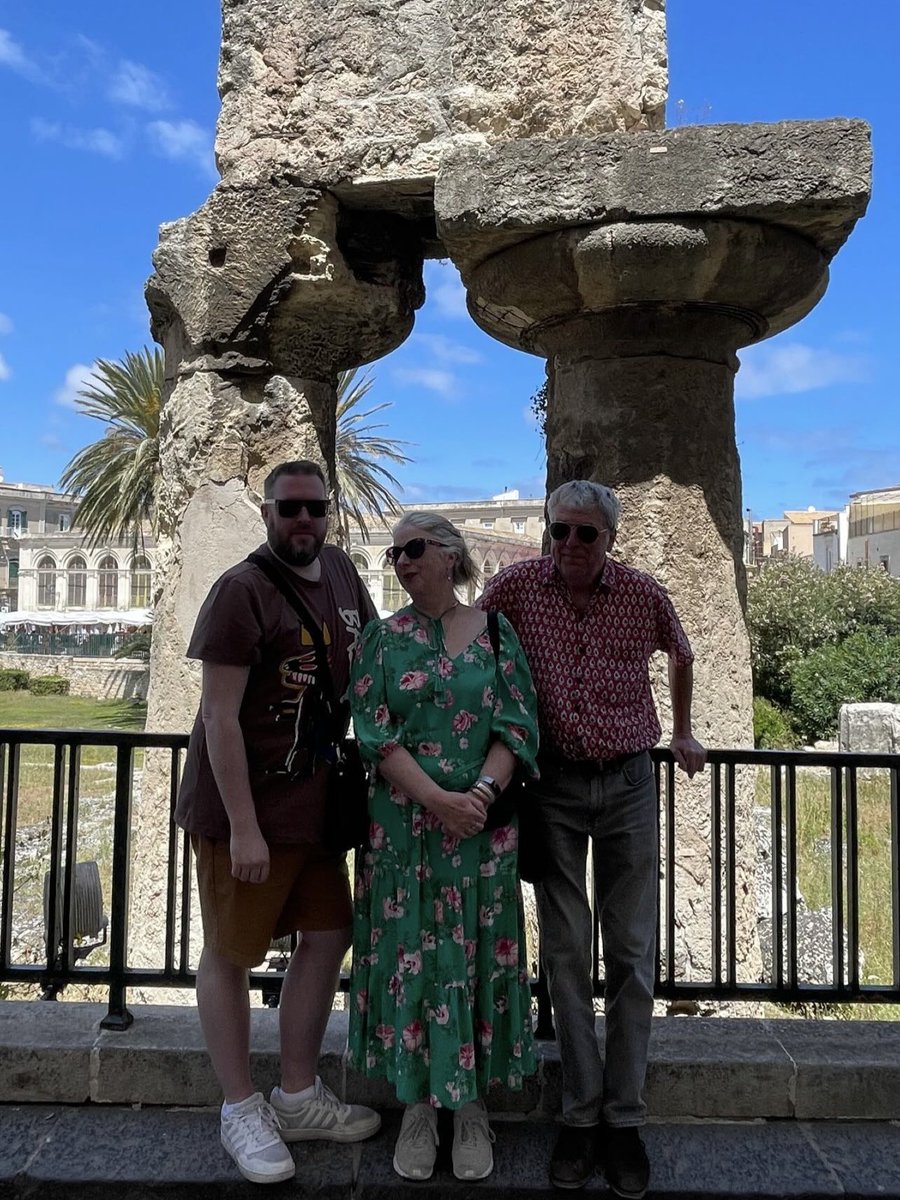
(250, 1135)
(472, 1155)
(417, 1143)
(323, 1117)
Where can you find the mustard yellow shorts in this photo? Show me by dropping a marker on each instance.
(307, 890)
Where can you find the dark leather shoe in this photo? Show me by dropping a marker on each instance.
(574, 1156)
(625, 1162)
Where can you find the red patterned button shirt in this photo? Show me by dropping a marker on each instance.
(590, 669)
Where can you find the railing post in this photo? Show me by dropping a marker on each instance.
(117, 1014)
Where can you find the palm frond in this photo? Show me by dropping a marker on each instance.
(116, 476)
(364, 484)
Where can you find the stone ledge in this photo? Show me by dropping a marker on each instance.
(811, 177)
(91, 1152)
(721, 1068)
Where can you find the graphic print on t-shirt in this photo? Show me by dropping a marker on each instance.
(303, 705)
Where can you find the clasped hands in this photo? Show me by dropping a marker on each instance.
(462, 814)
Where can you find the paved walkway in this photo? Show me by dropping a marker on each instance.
(94, 1152)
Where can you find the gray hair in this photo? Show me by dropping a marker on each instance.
(586, 496)
(464, 567)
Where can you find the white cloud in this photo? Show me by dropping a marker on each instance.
(95, 141)
(138, 87)
(445, 350)
(4, 369)
(5, 324)
(432, 378)
(77, 377)
(789, 369)
(13, 56)
(444, 286)
(184, 141)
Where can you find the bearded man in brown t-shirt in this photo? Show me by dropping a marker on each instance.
(256, 822)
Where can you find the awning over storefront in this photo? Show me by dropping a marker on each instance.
(104, 620)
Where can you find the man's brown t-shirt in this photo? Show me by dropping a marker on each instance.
(246, 621)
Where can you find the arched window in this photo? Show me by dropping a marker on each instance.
(108, 583)
(488, 568)
(392, 594)
(76, 583)
(359, 560)
(46, 583)
(140, 583)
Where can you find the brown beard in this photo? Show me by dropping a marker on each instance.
(287, 552)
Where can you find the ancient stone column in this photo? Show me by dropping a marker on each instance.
(637, 267)
(260, 299)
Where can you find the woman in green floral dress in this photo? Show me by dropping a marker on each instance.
(440, 1003)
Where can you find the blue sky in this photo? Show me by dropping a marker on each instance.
(107, 116)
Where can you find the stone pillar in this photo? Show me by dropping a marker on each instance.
(639, 315)
(259, 299)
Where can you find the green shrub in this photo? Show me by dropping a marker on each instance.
(793, 608)
(864, 667)
(49, 685)
(771, 727)
(12, 680)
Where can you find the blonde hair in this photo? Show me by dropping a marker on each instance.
(443, 531)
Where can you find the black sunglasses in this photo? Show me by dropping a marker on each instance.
(293, 508)
(559, 531)
(414, 548)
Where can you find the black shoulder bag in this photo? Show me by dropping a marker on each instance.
(517, 799)
(346, 824)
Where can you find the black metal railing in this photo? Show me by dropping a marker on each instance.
(821, 823)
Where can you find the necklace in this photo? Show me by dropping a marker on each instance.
(440, 616)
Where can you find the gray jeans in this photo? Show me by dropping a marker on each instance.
(619, 810)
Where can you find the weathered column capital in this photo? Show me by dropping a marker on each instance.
(284, 280)
(693, 288)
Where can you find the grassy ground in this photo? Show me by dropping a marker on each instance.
(814, 869)
(21, 710)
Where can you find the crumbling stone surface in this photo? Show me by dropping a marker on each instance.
(809, 177)
(378, 88)
(870, 728)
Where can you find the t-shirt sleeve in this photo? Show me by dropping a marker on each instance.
(229, 627)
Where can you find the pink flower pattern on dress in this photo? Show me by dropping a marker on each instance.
(439, 907)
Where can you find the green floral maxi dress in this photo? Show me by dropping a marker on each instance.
(440, 1003)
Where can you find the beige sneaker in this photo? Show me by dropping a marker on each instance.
(417, 1144)
(472, 1155)
(324, 1118)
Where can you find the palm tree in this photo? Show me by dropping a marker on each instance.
(363, 483)
(116, 476)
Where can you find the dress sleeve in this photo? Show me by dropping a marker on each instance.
(377, 733)
(515, 702)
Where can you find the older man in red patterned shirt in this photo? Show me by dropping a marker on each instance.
(589, 626)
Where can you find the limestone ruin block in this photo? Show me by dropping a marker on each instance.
(378, 88)
(870, 728)
(813, 178)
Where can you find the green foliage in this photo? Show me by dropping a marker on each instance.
(793, 608)
(12, 680)
(538, 405)
(49, 685)
(136, 645)
(771, 727)
(117, 475)
(863, 667)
